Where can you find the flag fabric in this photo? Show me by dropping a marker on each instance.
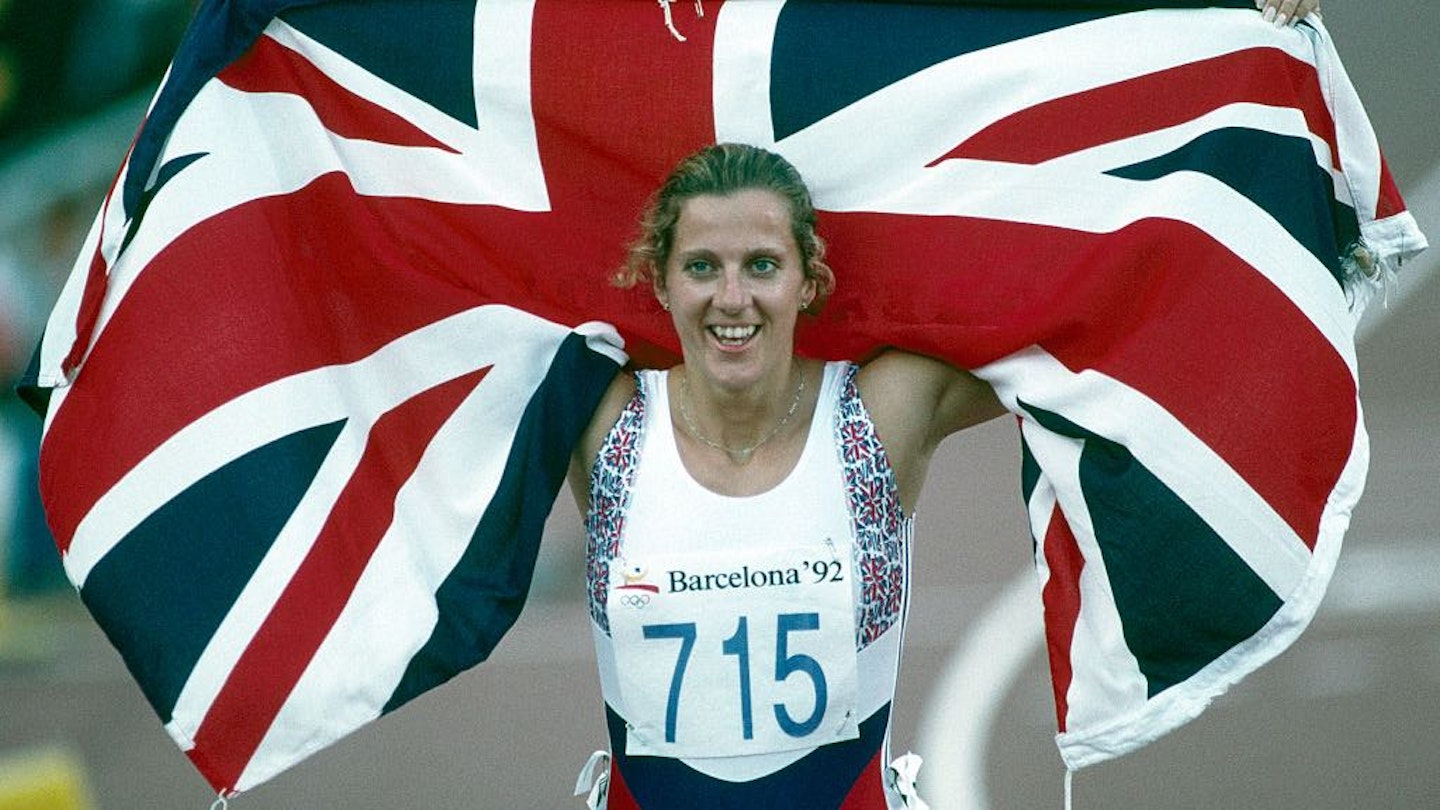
(312, 388)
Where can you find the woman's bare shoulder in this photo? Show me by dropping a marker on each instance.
(616, 397)
(905, 388)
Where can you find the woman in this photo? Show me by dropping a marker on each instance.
(749, 513)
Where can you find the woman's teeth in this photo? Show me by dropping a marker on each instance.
(733, 335)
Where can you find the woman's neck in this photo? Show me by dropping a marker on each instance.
(739, 422)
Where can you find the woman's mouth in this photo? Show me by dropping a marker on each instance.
(733, 336)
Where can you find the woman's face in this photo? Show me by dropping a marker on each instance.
(734, 284)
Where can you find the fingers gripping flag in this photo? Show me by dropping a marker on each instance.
(314, 382)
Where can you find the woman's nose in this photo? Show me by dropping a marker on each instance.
(731, 293)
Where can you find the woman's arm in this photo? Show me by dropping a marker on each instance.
(915, 402)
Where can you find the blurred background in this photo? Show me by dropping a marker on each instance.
(75, 78)
(1347, 719)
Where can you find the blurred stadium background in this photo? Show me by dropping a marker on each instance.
(1348, 719)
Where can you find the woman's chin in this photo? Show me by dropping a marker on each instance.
(730, 370)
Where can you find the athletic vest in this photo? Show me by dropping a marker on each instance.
(748, 646)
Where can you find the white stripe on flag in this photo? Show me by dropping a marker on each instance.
(1106, 679)
(891, 133)
(744, 33)
(1183, 702)
(1159, 142)
(392, 612)
(1359, 149)
(449, 348)
(369, 387)
(1188, 466)
(497, 164)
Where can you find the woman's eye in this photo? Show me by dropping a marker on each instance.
(765, 267)
(698, 267)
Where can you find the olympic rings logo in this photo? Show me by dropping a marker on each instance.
(635, 600)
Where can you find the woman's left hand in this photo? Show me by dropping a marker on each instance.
(1287, 12)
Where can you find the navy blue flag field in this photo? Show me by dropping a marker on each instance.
(311, 390)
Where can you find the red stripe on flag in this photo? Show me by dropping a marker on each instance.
(666, 105)
(1061, 598)
(267, 290)
(1151, 102)
(667, 110)
(269, 67)
(92, 296)
(91, 299)
(1158, 305)
(280, 652)
(1389, 202)
(1201, 333)
(281, 285)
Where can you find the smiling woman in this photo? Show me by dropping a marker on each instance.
(767, 462)
(734, 288)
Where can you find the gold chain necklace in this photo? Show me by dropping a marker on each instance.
(741, 455)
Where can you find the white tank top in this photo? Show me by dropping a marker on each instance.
(738, 634)
(672, 512)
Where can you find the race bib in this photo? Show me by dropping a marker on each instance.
(737, 653)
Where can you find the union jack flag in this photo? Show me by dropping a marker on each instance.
(314, 382)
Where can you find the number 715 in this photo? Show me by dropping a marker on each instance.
(738, 645)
